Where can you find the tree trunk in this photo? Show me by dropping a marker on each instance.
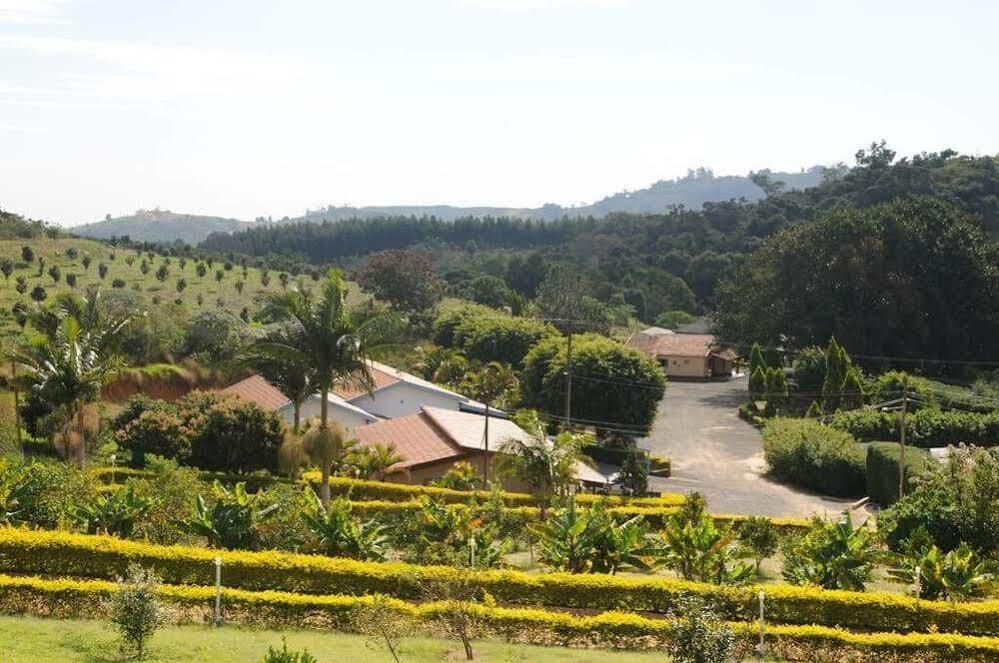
(298, 414)
(324, 489)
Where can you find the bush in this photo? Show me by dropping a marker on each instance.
(888, 387)
(883, 459)
(958, 501)
(832, 555)
(501, 338)
(230, 434)
(155, 432)
(925, 428)
(809, 371)
(135, 608)
(806, 453)
(447, 323)
(214, 336)
(284, 656)
(698, 635)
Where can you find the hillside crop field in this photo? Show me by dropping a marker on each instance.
(126, 264)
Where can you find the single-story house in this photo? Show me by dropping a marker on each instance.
(685, 355)
(258, 390)
(396, 393)
(433, 439)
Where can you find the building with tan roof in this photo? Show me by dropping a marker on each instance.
(685, 355)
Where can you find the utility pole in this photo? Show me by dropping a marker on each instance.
(568, 381)
(901, 436)
(485, 455)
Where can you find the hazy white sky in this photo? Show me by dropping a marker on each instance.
(251, 107)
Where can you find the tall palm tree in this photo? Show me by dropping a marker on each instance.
(68, 370)
(323, 335)
(489, 384)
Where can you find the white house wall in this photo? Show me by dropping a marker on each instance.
(402, 399)
(343, 416)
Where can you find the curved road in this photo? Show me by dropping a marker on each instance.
(720, 455)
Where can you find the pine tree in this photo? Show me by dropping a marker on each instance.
(756, 362)
(814, 411)
(836, 365)
(757, 384)
(853, 389)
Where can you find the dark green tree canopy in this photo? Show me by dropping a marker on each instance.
(911, 278)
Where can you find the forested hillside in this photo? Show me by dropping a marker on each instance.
(654, 262)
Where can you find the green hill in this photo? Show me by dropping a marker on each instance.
(160, 226)
(125, 272)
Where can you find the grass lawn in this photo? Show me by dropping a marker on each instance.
(33, 640)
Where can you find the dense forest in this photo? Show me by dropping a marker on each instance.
(653, 262)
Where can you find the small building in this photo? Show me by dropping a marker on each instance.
(257, 389)
(433, 439)
(397, 393)
(685, 355)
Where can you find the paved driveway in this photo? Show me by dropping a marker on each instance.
(720, 455)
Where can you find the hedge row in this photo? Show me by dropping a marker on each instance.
(805, 453)
(392, 492)
(64, 554)
(401, 492)
(924, 428)
(76, 599)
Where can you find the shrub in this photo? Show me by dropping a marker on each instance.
(883, 459)
(155, 432)
(760, 537)
(283, 655)
(462, 476)
(230, 434)
(806, 453)
(809, 371)
(336, 532)
(958, 501)
(889, 386)
(926, 428)
(135, 608)
(698, 635)
(697, 549)
(116, 514)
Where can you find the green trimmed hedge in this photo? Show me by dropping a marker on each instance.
(924, 428)
(64, 554)
(883, 459)
(806, 453)
(622, 630)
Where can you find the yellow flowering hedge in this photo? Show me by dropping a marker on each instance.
(75, 598)
(78, 555)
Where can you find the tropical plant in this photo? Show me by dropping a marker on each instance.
(449, 534)
(957, 575)
(16, 488)
(698, 549)
(116, 513)
(548, 466)
(564, 540)
(67, 372)
(832, 555)
(322, 334)
(618, 544)
(370, 461)
(461, 476)
(233, 519)
(292, 375)
(339, 534)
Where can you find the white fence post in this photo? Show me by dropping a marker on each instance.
(218, 591)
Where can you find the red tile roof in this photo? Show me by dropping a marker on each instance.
(416, 438)
(673, 345)
(258, 390)
(382, 378)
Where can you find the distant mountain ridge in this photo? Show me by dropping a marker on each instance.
(692, 191)
(160, 226)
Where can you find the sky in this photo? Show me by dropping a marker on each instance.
(252, 108)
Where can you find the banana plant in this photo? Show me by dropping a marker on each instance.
(957, 575)
(832, 555)
(233, 520)
(116, 514)
(16, 488)
(698, 549)
(339, 534)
